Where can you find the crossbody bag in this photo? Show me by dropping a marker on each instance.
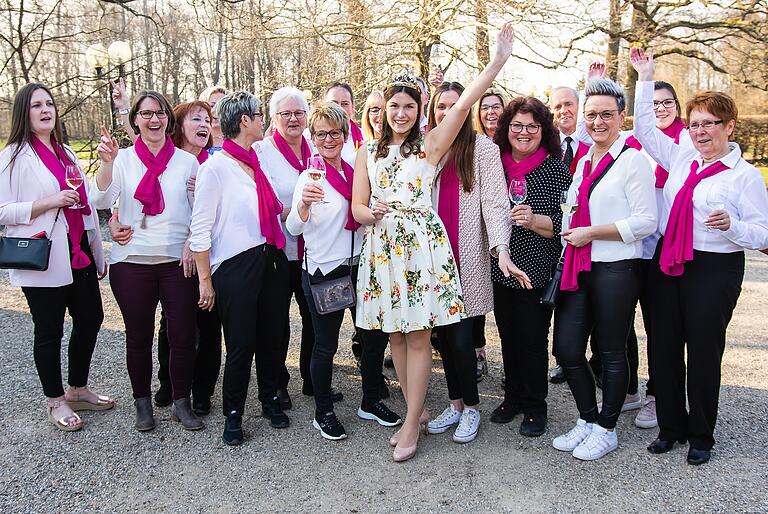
(335, 294)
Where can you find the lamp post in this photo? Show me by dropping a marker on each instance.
(97, 58)
(119, 53)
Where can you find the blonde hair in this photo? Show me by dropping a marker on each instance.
(332, 112)
(491, 91)
(207, 93)
(368, 132)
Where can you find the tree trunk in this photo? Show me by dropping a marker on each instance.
(482, 44)
(614, 39)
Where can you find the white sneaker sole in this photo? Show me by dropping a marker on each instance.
(439, 430)
(327, 436)
(373, 417)
(594, 457)
(563, 448)
(465, 438)
(646, 424)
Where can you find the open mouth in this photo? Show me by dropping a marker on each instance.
(523, 139)
(203, 133)
(45, 118)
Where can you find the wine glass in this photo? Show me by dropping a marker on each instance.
(74, 179)
(518, 192)
(717, 196)
(316, 171)
(437, 56)
(567, 206)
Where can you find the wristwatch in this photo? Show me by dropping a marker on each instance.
(123, 112)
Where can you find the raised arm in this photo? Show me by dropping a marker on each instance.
(596, 70)
(122, 103)
(440, 138)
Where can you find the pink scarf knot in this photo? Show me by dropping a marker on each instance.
(149, 192)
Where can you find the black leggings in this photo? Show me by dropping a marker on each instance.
(603, 305)
(457, 349)
(307, 332)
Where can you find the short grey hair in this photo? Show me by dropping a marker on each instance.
(231, 109)
(566, 88)
(606, 87)
(285, 93)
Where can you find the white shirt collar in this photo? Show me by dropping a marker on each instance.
(730, 160)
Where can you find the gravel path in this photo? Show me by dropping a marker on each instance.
(109, 466)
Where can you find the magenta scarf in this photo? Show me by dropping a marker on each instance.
(202, 156)
(580, 259)
(632, 142)
(677, 247)
(285, 149)
(673, 131)
(448, 204)
(581, 150)
(517, 170)
(149, 192)
(343, 185)
(55, 163)
(356, 134)
(270, 206)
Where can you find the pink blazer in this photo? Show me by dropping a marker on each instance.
(30, 180)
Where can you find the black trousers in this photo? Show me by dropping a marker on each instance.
(632, 348)
(523, 324)
(478, 331)
(326, 342)
(457, 349)
(691, 313)
(250, 295)
(307, 332)
(48, 305)
(603, 306)
(207, 353)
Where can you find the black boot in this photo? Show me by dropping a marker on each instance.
(145, 416)
(233, 429)
(182, 411)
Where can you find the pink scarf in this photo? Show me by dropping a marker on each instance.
(343, 185)
(356, 134)
(632, 142)
(580, 259)
(448, 204)
(673, 131)
(285, 149)
(677, 247)
(517, 170)
(581, 150)
(269, 205)
(55, 163)
(149, 192)
(202, 156)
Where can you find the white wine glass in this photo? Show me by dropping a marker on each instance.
(74, 180)
(316, 171)
(518, 192)
(568, 207)
(717, 197)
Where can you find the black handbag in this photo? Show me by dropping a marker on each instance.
(335, 294)
(27, 253)
(552, 291)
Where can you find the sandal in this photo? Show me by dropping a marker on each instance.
(69, 423)
(78, 402)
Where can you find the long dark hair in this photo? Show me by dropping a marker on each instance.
(550, 138)
(660, 84)
(21, 128)
(412, 143)
(462, 149)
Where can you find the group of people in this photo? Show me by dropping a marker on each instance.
(441, 207)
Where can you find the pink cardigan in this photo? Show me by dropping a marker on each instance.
(29, 181)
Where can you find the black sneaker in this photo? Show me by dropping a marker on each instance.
(285, 399)
(533, 425)
(383, 388)
(388, 362)
(273, 411)
(233, 429)
(505, 413)
(163, 396)
(330, 427)
(336, 396)
(557, 375)
(201, 406)
(380, 413)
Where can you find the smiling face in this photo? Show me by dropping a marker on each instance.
(196, 127)
(564, 106)
(152, 130)
(710, 142)
(524, 143)
(42, 114)
(664, 115)
(603, 131)
(443, 104)
(328, 148)
(341, 96)
(402, 113)
(291, 128)
(376, 114)
(491, 108)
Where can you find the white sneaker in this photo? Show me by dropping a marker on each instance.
(450, 416)
(469, 424)
(570, 440)
(646, 418)
(599, 443)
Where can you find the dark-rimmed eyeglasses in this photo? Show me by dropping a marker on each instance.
(286, 115)
(147, 114)
(668, 103)
(531, 128)
(706, 125)
(606, 115)
(334, 134)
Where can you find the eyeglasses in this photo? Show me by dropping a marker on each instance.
(604, 115)
(494, 107)
(147, 114)
(286, 115)
(259, 115)
(335, 134)
(668, 103)
(706, 125)
(374, 110)
(531, 128)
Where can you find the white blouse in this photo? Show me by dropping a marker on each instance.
(625, 197)
(742, 185)
(327, 242)
(166, 233)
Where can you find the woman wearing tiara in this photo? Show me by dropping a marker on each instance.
(408, 283)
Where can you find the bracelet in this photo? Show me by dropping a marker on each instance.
(123, 112)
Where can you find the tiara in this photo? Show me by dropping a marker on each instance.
(405, 81)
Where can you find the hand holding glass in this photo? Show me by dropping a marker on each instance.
(316, 171)
(566, 206)
(74, 179)
(716, 199)
(518, 192)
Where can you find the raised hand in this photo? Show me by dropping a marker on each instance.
(504, 41)
(596, 70)
(435, 77)
(119, 95)
(642, 62)
(108, 146)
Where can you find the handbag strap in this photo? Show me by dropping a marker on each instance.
(54, 221)
(604, 173)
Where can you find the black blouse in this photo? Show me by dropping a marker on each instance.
(532, 253)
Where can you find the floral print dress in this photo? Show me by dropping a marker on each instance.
(407, 279)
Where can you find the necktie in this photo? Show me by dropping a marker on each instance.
(568, 157)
